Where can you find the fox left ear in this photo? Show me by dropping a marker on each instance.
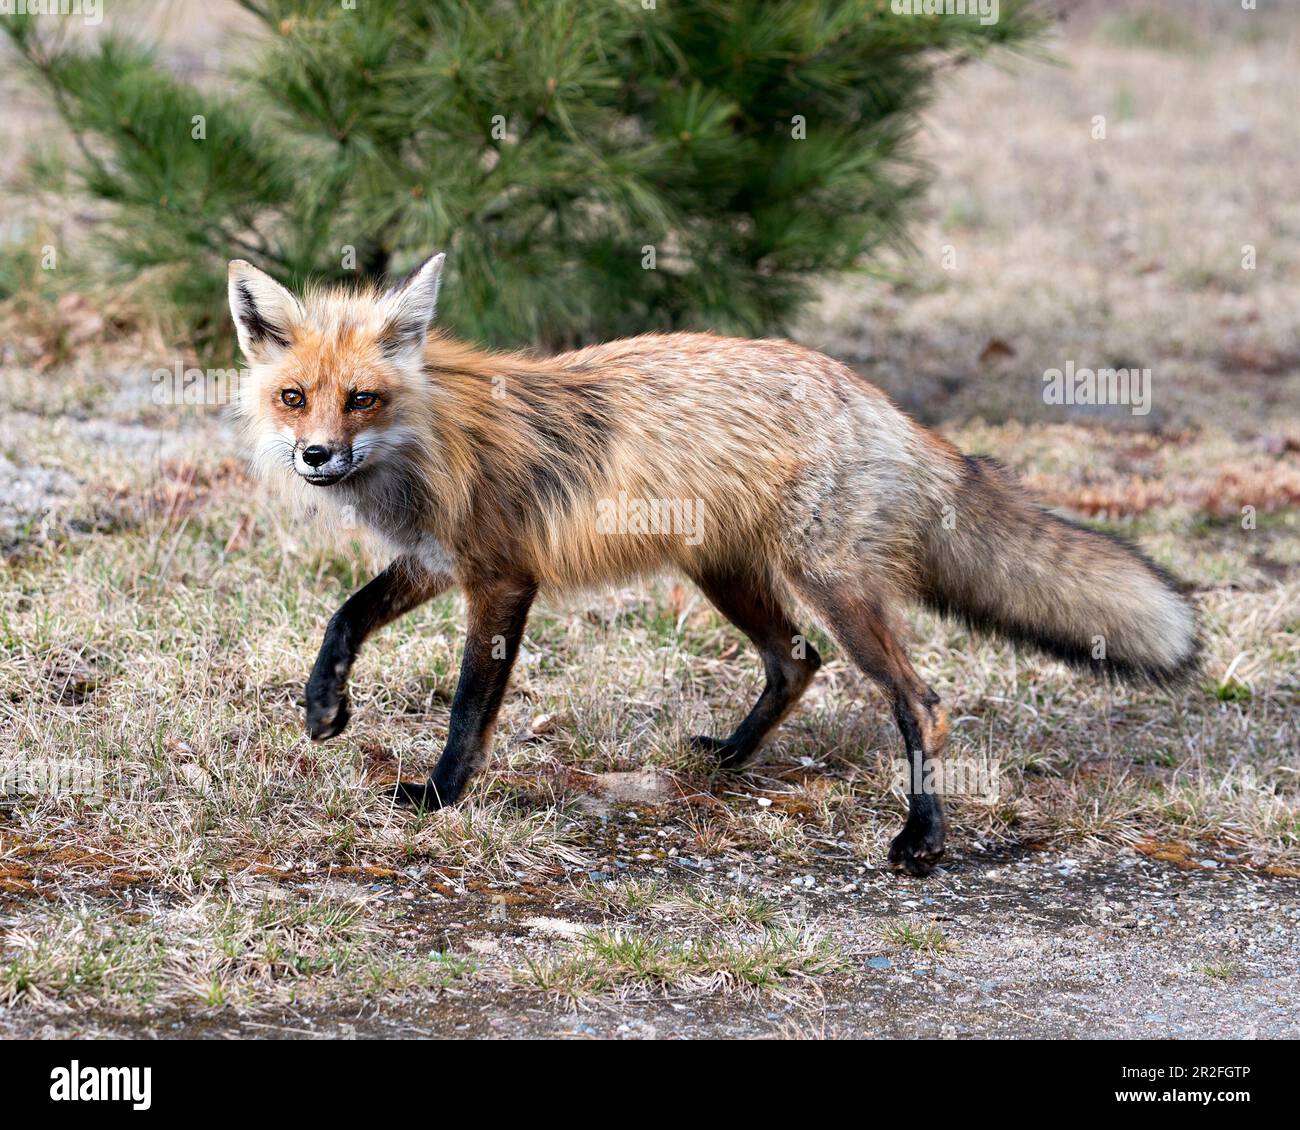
(266, 315)
(410, 306)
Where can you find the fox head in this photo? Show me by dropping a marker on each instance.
(336, 377)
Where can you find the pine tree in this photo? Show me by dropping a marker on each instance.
(594, 167)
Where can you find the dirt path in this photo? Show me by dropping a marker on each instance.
(1039, 945)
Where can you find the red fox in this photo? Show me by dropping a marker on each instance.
(810, 489)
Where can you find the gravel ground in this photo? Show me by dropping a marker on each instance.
(1041, 946)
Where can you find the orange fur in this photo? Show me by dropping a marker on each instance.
(786, 462)
(768, 473)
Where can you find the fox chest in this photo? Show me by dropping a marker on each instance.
(432, 555)
(383, 504)
(409, 541)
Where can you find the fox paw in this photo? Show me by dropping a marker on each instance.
(917, 848)
(729, 755)
(327, 713)
(421, 797)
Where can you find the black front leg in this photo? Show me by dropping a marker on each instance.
(498, 611)
(404, 585)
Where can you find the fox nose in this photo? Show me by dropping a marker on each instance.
(315, 455)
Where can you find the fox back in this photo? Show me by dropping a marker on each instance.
(691, 451)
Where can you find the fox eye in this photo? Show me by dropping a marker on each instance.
(292, 397)
(362, 400)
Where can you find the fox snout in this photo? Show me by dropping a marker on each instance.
(321, 464)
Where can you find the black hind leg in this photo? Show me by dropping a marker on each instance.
(789, 661)
(860, 623)
(919, 846)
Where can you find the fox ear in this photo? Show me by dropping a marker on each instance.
(409, 307)
(265, 314)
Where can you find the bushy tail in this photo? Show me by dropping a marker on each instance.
(1011, 567)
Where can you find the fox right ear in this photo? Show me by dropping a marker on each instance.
(409, 307)
(265, 314)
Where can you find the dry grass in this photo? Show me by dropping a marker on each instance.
(158, 616)
(924, 938)
(700, 904)
(623, 963)
(213, 952)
